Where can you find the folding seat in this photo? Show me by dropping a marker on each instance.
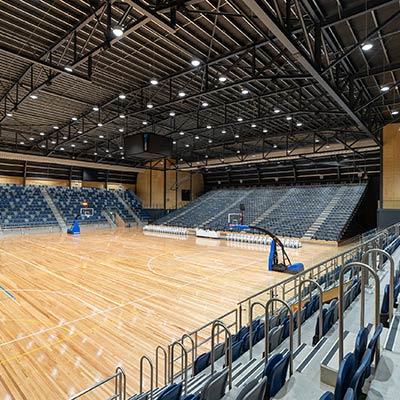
(273, 321)
(275, 337)
(215, 387)
(192, 397)
(384, 314)
(360, 375)
(237, 350)
(219, 350)
(278, 375)
(254, 390)
(201, 363)
(372, 346)
(172, 392)
(260, 333)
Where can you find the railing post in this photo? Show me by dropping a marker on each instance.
(341, 303)
(158, 349)
(141, 375)
(383, 253)
(318, 286)
(193, 351)
(251, 326)
(228, 349)
(184, 362)
(291, 328)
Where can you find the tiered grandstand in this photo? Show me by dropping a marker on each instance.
(31, 206)
(312, 212)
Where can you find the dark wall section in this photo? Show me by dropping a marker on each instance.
(387, 217)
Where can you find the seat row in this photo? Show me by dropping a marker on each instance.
(355, 367)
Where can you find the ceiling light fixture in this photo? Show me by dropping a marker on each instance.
(223, 131)
(122, 96)
(181, 133)
(367, 46)
(72, 145)
(55, 127)
(53, 142)
(186, 145)
(149, 105)
(236, 136)
(275, 146)
(197, 137)
(208, 126)
(122, 116)
(9, 114)
(154, 81)
(299, 124)
(95, 154)
(288, 118)
(244, 92)
(68, 68)
(394, 112)
(195, 62)
(181, 93)
(238, 151)
(21, 142)
(41, 133)
(204, 104)
(99, 124)
(240, 119)
(33, 96)
(95, 108)
(120, 129)
(118, 30)
(62, 148)
(277, 110)
(253, 125)
(101, 136)
(85, 141)
(174, 142)
(209, 140)
(385, 88)
(172, 114)
(222, 78)
(74, 118)
(145, 123)
(265, 130)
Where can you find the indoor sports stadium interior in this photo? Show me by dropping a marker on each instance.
(199, 199)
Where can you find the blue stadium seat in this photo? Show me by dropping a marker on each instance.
(360, 375)
(360, 346)
(201, 362)
(278, 375)
(215, 387)
(254, 390)
(372, 346)
(172, 392)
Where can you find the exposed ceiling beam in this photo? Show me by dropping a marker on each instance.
(270, 23)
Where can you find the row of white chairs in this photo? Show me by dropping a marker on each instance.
(172, 230)
(261, 239)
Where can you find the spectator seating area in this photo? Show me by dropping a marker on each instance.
(24, 207)
(27, 207)
(255, 379)
(315, 212)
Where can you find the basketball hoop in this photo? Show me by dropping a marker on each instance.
(86, 212)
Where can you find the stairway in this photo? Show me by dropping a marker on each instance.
(130, 211)
(269, 210)
(325, 214)
(54, 209)
(109, 219)
(226, 209)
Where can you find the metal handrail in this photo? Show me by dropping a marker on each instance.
(391, 276)
(266, 330)
(185, 362)
(319, 265)
(228, 349)
(318, 286)
(120, 384)
(158, 349)
(193, 350)
(151, 375)
(362, 311)
(256, 303)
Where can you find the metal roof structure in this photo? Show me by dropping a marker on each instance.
(276, 74)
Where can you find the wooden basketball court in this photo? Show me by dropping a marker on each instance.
(74, 308)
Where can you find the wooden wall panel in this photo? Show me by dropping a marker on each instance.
(47, 182)
(15, 180)
(391, 166)
(150, 186)
(99, 185)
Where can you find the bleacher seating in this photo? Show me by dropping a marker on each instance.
(319, 212)
(24, 207)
